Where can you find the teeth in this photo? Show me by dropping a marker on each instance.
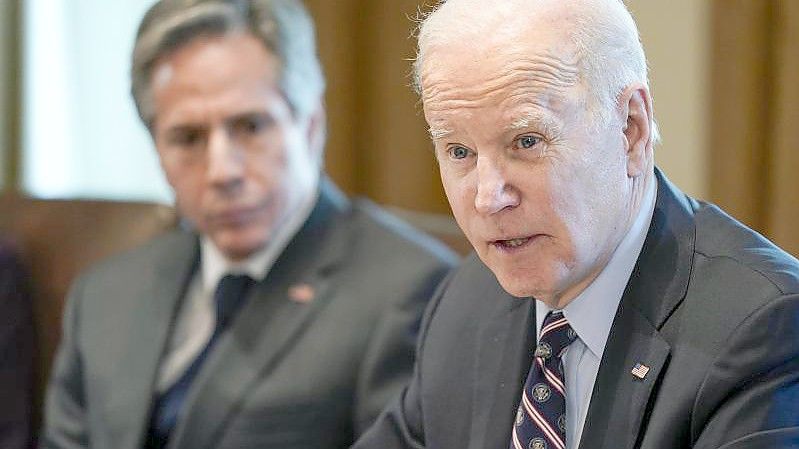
(515, 242)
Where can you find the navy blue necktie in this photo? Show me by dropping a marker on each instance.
(541, 417)
(229, 294)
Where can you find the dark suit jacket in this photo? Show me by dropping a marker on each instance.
(286, 374)
(711, 307)
(16, 352)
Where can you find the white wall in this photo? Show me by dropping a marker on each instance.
(81, 135)
(676, 37)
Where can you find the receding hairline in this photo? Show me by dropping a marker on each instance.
(603, 33)
(447, 24)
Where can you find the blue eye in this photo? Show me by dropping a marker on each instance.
(526, 142)
(459, 152)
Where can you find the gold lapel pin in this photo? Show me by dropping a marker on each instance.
(640, 370)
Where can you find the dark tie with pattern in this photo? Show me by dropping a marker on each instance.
(541, 417)
(229, 294)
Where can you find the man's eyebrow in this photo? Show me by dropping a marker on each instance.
(437, 132)
(249, 115)
(531, 118)
(180, 128)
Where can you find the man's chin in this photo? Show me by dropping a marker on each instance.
(519, 290)
(523, 282)
(237, 248)
(515, 285)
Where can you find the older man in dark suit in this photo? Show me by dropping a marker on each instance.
(282, 315)
(604, 309)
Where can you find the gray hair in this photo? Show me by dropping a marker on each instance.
(604, 33)
(284, 27)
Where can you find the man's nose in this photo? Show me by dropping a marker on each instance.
(225, 160)
(494, 191)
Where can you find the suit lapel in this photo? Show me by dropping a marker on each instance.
(503, 358)
(164, 286)
(620, 400)
(263, 331)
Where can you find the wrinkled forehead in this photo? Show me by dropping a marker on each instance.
(463, 81)
(463, 72)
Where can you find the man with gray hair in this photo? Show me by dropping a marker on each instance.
(281, 315)
(603, 308)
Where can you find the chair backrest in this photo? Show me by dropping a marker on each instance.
(57, 239)
(16, 350)
(443, 227)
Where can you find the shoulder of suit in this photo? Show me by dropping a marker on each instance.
(178, 240)
(722, 239)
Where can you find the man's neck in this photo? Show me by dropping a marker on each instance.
(641, 206)
(257, 265)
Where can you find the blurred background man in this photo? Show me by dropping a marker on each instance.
(603, 308)
(281, 315)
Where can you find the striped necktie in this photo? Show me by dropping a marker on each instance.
(228, 296)
(541, 416)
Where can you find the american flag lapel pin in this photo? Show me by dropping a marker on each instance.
(302, 293)
(640, 370)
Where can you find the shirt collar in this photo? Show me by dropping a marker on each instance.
(591, 313)
(214, 264)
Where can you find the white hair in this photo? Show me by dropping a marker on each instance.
(603, 32)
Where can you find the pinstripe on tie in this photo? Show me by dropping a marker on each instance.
(229, 294)
(541, 416)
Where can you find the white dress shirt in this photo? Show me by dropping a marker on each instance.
(591, 315)
(196, 318)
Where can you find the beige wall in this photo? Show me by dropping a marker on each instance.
(378, 144)
(676, 37)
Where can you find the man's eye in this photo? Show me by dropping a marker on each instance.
(186, 138)
(527, 142)
(249, 126)
(458, 152)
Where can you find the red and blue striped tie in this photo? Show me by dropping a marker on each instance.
(541, 416)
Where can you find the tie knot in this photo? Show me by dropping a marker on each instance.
(556, 336)
(230, 292)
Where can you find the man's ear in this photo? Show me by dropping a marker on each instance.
(636, 106)
(316, 127)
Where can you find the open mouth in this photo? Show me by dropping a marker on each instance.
(512, 244)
